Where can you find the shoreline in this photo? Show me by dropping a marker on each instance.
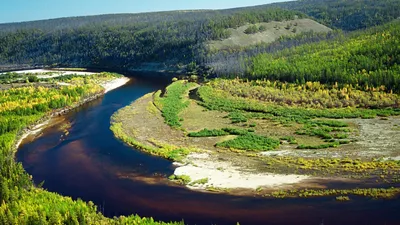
(206, 172)
(45, 120)
(224, 175)
(199, 167)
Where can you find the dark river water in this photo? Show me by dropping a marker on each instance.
(89, 163)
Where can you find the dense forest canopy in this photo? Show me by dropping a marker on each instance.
(123, 41)
(347, 14)
(368, 59)
(168, 39)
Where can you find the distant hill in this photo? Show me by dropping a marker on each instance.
(177, 41)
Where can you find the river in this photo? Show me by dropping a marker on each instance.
(89, 163)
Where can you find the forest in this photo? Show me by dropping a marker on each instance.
(365, 59)
(171, 40)
(354, 65)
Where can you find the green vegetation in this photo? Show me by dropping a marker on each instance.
(200, 181)
(208, 133)
(224, 95)
(173, 102)
(366, 60)
(322, 146)
(252, 29)
(342, 198)
(347, 15)
(374, 193)
(309, 94)
(237, 117)
(215, 98)
(181, 179)
(289, 139)
(172, 40)
(219, 132)
(170, 152)
(354, 168)
(250, 142)
(20, 201)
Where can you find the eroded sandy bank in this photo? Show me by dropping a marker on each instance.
(220, 174)
(108, 86)
(113, 84)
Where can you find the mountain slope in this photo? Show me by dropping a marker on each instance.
(172, 40)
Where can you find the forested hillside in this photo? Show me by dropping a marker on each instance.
(347, 14)
(171, 40)
(123, 41)
(366, 59)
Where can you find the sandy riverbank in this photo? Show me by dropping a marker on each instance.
(108, 86)
(36, 129)
(55, 73)
(113, 84)
(220, 174)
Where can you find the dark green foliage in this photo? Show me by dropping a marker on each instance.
(208, 133)
(292, 140)
(222, 132)
(341, 136)
(347, 14)
(235, 131)
(237, 117)
(125, 41)
(322, 133)
(262, 28)
(330, 123)
(33, 79)
(322, 146)
(250, 142)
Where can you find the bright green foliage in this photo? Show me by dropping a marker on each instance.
(174, 103)
(367, 59)
(342, 198)
(200, 181)
(374, 193)
(220, 95)
(309, 94)
(166, 151)
(217, 99)
(250, 142)
(182, 179)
